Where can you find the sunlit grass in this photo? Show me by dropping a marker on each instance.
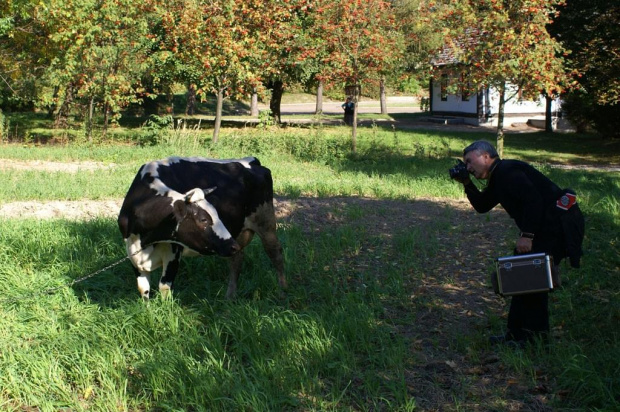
(332, 343)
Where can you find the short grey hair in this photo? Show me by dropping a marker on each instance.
(481, 146)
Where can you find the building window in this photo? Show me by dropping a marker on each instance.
(444, 87)
(465, 88)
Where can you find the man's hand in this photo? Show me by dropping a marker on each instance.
(524, 245)
(460, 173)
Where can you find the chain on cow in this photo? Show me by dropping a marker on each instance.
(75, 281)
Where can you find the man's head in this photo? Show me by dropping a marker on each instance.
(479, 157)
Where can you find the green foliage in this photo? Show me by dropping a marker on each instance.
(101, 52)
(410, 85)
(594, 56)
(593, 52)
(155, 129)
(265, 119)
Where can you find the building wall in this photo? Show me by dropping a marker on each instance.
(484, 106)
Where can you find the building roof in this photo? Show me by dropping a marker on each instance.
(451, 52)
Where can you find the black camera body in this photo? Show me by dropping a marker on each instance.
(459, 171)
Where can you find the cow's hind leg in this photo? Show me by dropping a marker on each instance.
(264, 223)
(272, 247)
(236, 262)
(170, 268)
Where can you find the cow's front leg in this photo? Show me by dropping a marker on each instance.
(236, 262)
(170, 268)
(145, 261)
(144, 284)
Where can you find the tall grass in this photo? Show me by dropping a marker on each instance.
(332, 343)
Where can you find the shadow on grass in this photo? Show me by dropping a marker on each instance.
(385, 295)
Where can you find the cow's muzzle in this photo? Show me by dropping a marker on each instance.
(228, 248)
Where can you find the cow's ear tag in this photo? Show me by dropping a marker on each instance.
(209, 190)
(194, 196)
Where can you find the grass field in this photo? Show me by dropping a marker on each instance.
(377, 317)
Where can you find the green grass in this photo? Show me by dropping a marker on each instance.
(333, 342)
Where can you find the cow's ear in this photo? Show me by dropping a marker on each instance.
(180, 210)
(209, 190)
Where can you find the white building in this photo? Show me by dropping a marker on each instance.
(483, 107)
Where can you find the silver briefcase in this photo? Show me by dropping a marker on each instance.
(521, 274)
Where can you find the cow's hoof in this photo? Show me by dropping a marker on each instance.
(165, 290)
(144, 287)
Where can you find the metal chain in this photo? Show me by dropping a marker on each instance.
(83, 278)
(75, 281)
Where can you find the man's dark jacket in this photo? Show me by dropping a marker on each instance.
(530, 199)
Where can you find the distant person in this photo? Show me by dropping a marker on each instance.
(548, 218)
(349, 110)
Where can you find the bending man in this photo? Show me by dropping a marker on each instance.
(531, 199)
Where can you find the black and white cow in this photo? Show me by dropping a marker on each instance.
(189, 206)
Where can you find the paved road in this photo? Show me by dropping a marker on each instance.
(395, 104)
(402, 104)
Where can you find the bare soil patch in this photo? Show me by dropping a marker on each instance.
(67, 167)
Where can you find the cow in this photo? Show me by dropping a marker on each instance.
(197, 206)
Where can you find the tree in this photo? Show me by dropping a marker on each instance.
(220, 46)
(422, 40)
(591, 31)
(101, 49)
(504, 44)
(358, 42)
(24, 53)
(281, 29)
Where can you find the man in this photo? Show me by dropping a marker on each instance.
(349, 110)
(530, 198)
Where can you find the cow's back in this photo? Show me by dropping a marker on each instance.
(241, 186)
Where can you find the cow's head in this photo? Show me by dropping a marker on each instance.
(199, 226)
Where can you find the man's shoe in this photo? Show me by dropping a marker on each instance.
(507, 340)
(516, 344)
(499, 339)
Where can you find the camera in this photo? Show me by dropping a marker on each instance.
(459, 172)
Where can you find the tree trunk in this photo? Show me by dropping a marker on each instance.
(218, 114)
(548, 115)
(382, 97)
(63, 112)
(51, 109)
(277, 90)
(106, 118)
(500, 120)
(149, 104)
(3, 126)
(319, 99)
(89, 125)
(190, 106)
(254, 104)
(356, 96)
